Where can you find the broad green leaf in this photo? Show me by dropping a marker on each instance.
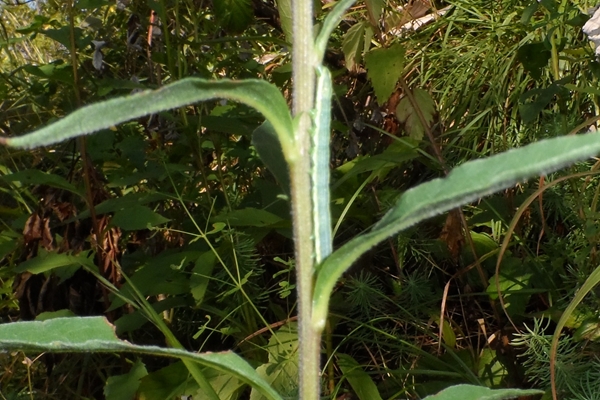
(136, 218)
(173, 382)
(159, 275)
(282, 369)
(234, 15)
(464, 184)
(169, 382)
(135, 320)
(471, 392)
(534, 57)
(201, 275)
(534, 101)
(261, 95)
(409, 116)
(54, 71)
(37, 177)
(264, 140)
(284, 7)
(514, 277)
(352, 45)
(47, 261)
(96, 334)
(361, 382)
(374, 8)
(491, 370)
(384, 68)
(63, 36)
(124, 387)
(128, 201)
(54, 314)
(249, 217)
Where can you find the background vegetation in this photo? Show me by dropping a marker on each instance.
(181, 205)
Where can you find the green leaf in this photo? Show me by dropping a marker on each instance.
(128, 201)
(124, 387)
(534, 101)
(374, 8)
(96, 334)
(409, 116)
(37, 177)
(534, 57)
(90, 4)
(464, 184)
(282, 369)
(491, 370)
(48, 261)
(63, 36)
(384, 68)
(201, 276)
(361, 382)
(169, 382)
(284, 7)
(264, 140)
(234, 15)
(249, 217)
(352, 45)
(159, 275)
(472, 392)
(54, 314)
(261, 95)
(135, 320)
(329, 24)
(136, 218)
(513, 278)
(9, 242)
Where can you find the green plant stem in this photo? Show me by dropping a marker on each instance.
(303, 97)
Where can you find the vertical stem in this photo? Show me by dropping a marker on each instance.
(304, 89)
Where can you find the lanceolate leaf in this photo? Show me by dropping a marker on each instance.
(375, 8)
(96, 334)
(352, 45)
(331, 22)
(37, 177)
(464, 184)
(284, 7)
(471, 392)
(261, 95)
(361, 382)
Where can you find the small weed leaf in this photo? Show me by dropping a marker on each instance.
(384, 68)
(407, 114)
(352, 45)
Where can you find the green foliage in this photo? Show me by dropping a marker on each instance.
(480, 393)
(96, 334)
(385, 67)
(172, 218)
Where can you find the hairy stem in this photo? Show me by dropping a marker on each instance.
(303, 92)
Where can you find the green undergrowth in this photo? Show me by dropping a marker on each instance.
(176, 211)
